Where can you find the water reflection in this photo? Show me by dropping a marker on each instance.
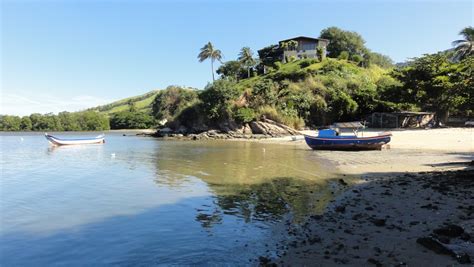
(153, 202)
(249, 180)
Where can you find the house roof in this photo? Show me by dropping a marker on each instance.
(304, 38)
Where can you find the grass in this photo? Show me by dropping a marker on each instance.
(142, 103)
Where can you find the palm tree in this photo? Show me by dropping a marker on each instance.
(464, 47)
(209, 52)
(246, 58)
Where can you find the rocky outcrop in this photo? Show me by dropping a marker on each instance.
(264, 128)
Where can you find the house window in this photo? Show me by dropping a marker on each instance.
(308, 46)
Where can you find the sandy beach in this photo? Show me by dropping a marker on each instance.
(413, 205)
(411, 150)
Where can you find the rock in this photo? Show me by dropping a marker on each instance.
(465, 236)
(341, 209)
(342, 182)
(450, 230)
(264, 261)
(374, 261)
(434, 245)
(182, 130)
(463, 258)
(378, 222)
(269, 127)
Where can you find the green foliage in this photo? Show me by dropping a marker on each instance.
(246, 59)
(232, 70)
(208, 51)
(357, 58)
(131, 120)
(321, 53)
(289, 45)
(170, 102)
(307, 62)
(10, 123)
(464, 47)
(381, 60)
(244, 115)
(64, 121)
(264, 92)
(344, 55)
(141, 103)
(270, 55)
(92, 121)
(341, 40)
(25, 124)
(434, 83)
(217, 99)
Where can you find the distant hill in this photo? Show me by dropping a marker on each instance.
(141, 102)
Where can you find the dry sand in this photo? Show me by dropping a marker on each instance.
(408, 151)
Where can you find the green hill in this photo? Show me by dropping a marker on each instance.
(141, 102)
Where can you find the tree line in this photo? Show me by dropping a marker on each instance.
(64, 121)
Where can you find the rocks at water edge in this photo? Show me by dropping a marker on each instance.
(263, 128)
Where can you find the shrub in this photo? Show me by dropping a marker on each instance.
(307, 62)
(244, 115)
(263, 93)
(344, 55)
(357, 58)
(170, 102)
(131, 120)
(217, 99)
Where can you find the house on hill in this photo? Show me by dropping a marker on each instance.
(301, 47)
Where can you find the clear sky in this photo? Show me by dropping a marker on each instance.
(72, 54)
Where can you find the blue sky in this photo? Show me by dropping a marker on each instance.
(71, 54)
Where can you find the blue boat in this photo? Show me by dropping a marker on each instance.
(329, 139)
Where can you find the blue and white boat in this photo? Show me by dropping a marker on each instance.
(330, 139)
(60, 141)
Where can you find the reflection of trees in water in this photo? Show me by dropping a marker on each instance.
(269, 201)
(234, 163)
(255, 182)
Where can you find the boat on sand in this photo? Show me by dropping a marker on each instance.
(331, 139)
(81, 141)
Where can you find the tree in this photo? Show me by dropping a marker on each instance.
(246, 58)
(344, 55)
(131, 120)
(10, 123)
(217, 99)
(270, 55)
(381, 60)
(321, 53)
(435, 83)
(340, 40)
(173, 100)
(232, 69)
(464, 47)
(209, 52)
(25, 124)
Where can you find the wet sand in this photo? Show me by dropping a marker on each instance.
(413, 205)
(401, 220)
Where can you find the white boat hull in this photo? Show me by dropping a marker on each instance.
(60, 142)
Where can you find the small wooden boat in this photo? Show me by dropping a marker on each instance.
(60, 142)
(330, 139)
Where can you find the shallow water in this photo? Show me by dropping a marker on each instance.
(139, 200)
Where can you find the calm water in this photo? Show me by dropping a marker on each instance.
(142, 201)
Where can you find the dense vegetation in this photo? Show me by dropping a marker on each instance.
(348, 84)
(64, 121)
(351, 83)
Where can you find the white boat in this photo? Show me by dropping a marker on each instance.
(59, 142)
